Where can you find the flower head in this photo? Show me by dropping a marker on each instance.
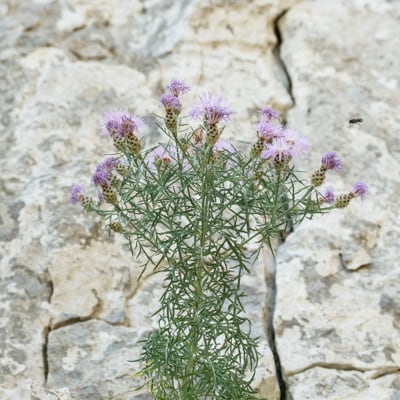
(77, 194)
(177, 87)
(109, 164)
(360, 189)
(328, 196)
(268, 130)
(331, 161)
(131, 124)
(268, 113)
(101, 177)
(211, 108)
(170, 102)
(299, 144)
(120, 123)
(104, 170)
(111, 123)
(279, 150)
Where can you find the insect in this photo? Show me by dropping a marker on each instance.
(357, 120)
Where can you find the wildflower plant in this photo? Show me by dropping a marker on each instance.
(192, 206)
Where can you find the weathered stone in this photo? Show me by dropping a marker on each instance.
(338, 276)
(23, 321)
(93, 360)
(331, 384)
(64, 63)
(101, 276)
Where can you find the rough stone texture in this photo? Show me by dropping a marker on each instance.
(92, 358)
(342, 271)
(71, 311)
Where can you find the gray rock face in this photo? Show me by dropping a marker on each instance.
(71, 310)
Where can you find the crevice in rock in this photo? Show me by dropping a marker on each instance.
(377, 371)
(389, 371)
(271, 302)
(50, 286)
(71, 321)
(46, 333)
(278, 56)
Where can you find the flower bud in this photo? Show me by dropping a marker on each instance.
(318, 177)
(133, 144)
(109, 194)
(115, 226)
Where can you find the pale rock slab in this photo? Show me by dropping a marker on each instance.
(61, 68)
(24, 316)
(28, 390)
(338, 276)
(330, 384)
(102, 276)
(92, 358)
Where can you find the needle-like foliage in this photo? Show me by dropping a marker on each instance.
(192, 207)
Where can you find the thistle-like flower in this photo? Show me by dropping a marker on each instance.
(328, 196)
(123, 127)
(103, 178)
(268, 113)
(171, 102)
(328, 161)
(121, 123)
(279, 151)
(173, 108)
(78, 195)
(299, 144)
(213, 110)
(176, 87)
(268, 130)
(360, 189)
(331, 161)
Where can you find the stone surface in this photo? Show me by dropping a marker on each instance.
(71, 312)
(91, 359)
(338, 277)
(331, 384)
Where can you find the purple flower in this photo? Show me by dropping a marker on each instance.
(268, 113)
(269, 130)
(360, 189)
(120, 123)
(109, 164)
(331, 161)
(211, 108)
(299, 144)
(328, 196)
(111, 123)
(177, 87)
(77, 194)
(170, 102)
(279, 149)
(101, 177)
(130, 124)
(104, 170)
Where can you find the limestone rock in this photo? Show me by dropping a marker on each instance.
(92, 359)
(331, 384)
(338, 276)
(71, 313)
